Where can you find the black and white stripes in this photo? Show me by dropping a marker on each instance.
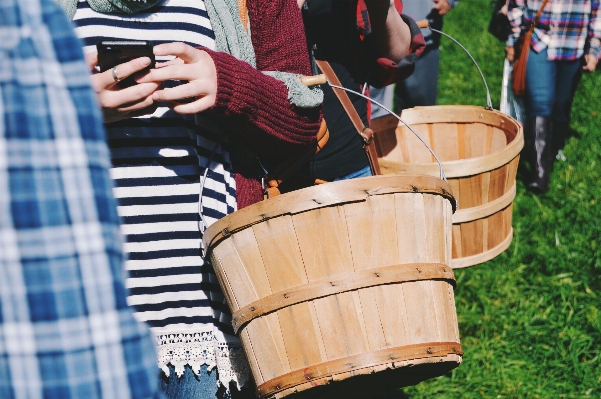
(158, 165)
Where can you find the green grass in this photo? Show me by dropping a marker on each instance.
(529, 320)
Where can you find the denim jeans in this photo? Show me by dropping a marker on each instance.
(202, 386)
(363, 172)
(550, 85)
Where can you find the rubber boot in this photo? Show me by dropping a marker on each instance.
(540, 145)
(560, 130)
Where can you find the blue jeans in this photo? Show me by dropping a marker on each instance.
(550, 86)
(363, 172)
(202, 386)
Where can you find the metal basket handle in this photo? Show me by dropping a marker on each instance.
(425, 24)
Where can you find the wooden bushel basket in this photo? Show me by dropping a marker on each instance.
(342, 290)
(479, 149)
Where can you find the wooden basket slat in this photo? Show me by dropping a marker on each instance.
(323, 254)
(444, 141)
(266, 352)
(499, 140)
(390, 300)
(300, 335)
(374, 314)
(280, 251)
(321, 345)
(248, 251)
(472, 237)
(253, 358)
(498, 183)
(421, 322)
(338, 318)
(373, 238)
(233, 274)
(275, 329)
(474, 143)
(436, 237)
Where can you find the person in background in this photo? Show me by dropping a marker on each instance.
(365, 41)
(185, 143)
(421, 88)
(66, 331)
(565, 42)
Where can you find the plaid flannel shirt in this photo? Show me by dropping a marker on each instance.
(66, 331)
(567, 28)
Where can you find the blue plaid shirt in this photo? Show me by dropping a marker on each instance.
(65, 328)
(567, 28)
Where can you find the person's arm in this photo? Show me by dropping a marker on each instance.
(444, 6)
(255, 103)
(594, 28)
(390, 33)
(515, 13)
(384, 71)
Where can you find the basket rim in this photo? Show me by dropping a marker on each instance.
(469, 166)
(325, 195)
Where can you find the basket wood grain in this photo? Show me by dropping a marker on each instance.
(479, 150)
(342, 289)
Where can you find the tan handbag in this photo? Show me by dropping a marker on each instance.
(522, 49)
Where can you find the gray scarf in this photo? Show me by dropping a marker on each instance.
(231, 37)
(104, 6)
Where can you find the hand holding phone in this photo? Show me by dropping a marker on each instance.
(113, 53)
(118, 102)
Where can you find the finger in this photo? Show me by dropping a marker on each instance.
(136, 106)
(92, 59)
(188, 90)
(175, 61)
(202, 104)
(187, 53)
(174, 72)
(123, 71)
(129, 95)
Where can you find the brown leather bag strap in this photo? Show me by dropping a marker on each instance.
(365, 132)
(539, 14)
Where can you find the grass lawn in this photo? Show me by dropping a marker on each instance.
(530, 320)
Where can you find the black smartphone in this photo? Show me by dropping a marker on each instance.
(112, 53)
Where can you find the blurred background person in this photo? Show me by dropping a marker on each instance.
(421, 88)
(66, 331)
(365, 41)
(566, 41)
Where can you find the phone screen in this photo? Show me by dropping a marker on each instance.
(113, 53)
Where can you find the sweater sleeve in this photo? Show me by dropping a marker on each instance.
(256, 103)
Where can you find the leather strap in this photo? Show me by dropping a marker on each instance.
(341, 283)
(539, 14)
(365, 132)
(357, 362)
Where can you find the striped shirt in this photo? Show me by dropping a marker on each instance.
(159, 165)
(567, 28)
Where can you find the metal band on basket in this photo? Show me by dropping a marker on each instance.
(342, 283)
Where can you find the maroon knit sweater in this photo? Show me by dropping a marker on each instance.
(257, 104)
